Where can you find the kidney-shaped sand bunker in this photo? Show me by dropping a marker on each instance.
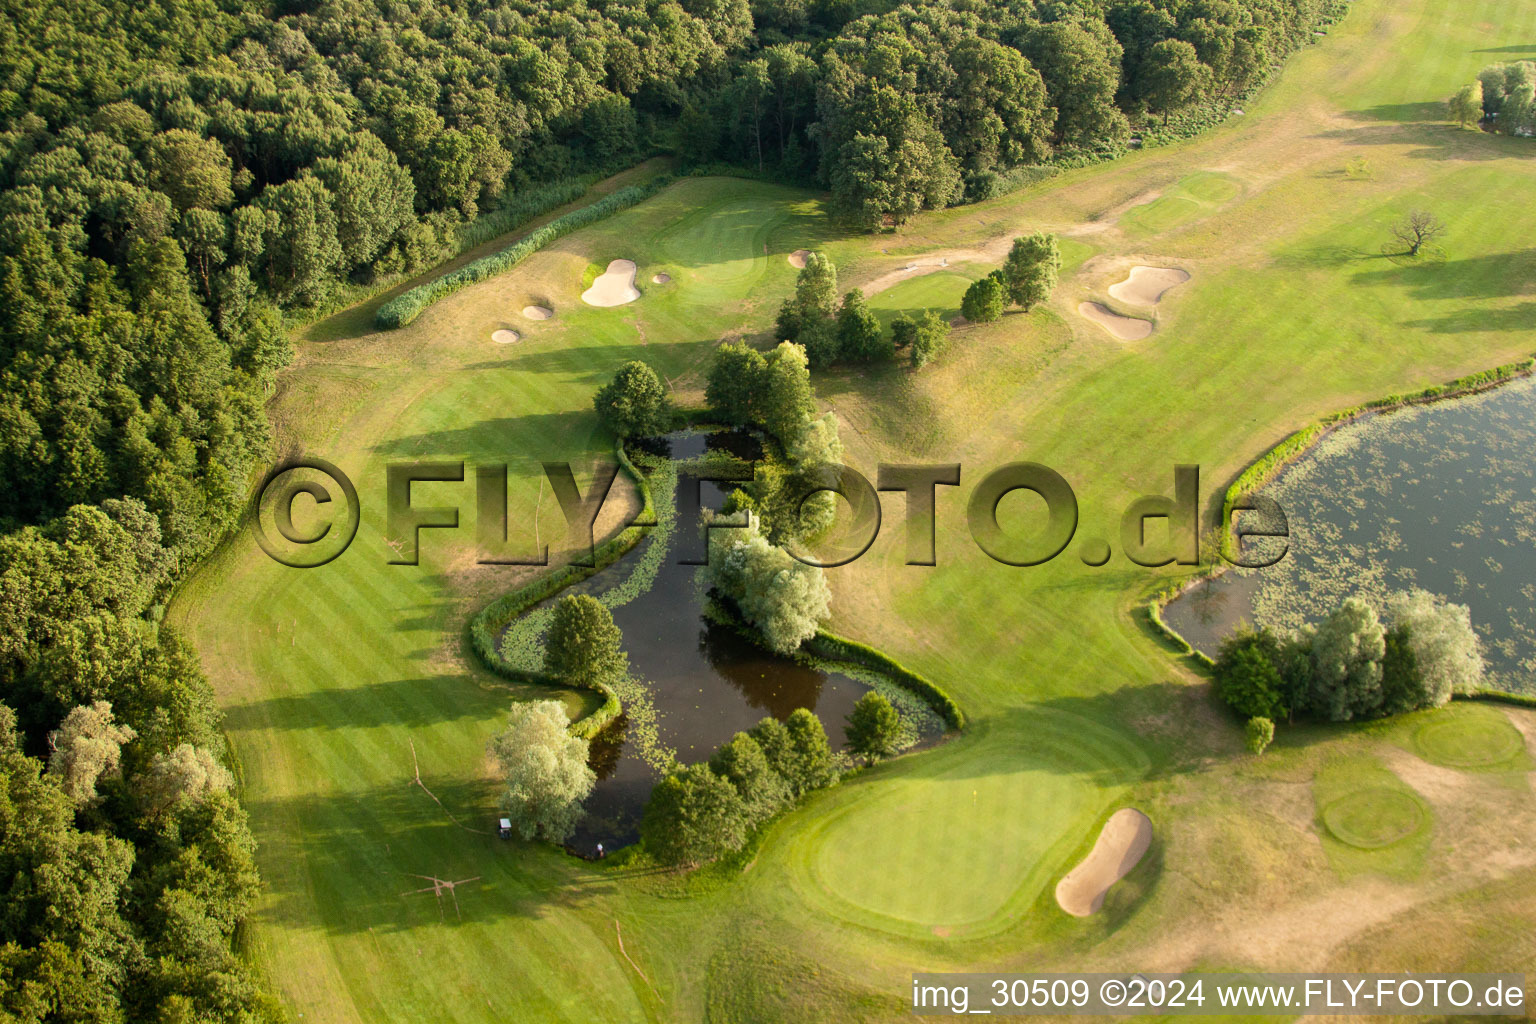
(1121, 845)
(614, 286)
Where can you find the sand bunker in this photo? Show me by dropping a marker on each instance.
(504, 337)
(1120, 846)
(661, 278)
(1126, 328)
(1146, 285)
(614, 287)
(538, 312)
(797, 258)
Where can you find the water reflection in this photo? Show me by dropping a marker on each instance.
(705, 681)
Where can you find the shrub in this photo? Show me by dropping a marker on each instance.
(1246, 677)
(1258, 734)
(873, 727)
(983, 300)
(544, 771)
(693, 816)
(634, 403)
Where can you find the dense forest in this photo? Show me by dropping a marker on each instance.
(176, 178)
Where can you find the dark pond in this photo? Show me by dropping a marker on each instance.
(700, 683)
(1441, 497)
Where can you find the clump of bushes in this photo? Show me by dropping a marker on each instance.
(1353, 665)
(700, 812)
(404, 308)
(847, 331)
(780, 597)
(1504, 95)
(774, 392)
(1026, 278)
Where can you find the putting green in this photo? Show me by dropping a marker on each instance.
(961, 844)
(940, 291)
(1210, 187)
(1373, 818)
(1159, 215)
(1469, 741)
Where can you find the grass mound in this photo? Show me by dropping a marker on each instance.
(1374, 818)
(1468, 741)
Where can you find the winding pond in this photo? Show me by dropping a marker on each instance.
(1439, 496)
(693, 683)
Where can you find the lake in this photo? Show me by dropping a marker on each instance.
(1439, 496)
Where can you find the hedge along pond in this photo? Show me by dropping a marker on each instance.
(1439, 496)
(695, 680)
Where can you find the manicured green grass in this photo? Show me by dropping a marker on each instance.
(331, 676)
(1471, 737)
(1369, 819)
(1211, 187)
(940, 291)
(1007, 829)
(1373, 821)
(1073, 254)
(1160, 214)
(1191, 197)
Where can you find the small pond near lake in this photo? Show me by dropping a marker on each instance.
(693, 683)
(1439, 496)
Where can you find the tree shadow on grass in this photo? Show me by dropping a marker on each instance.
(1472, 321)
(1324, 256)
(356, 859)
(496, 434)
(590, 364)
(416, 703)
(1496, 275)
(1407, 124)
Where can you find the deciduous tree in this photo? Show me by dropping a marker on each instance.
(543, 769)
(873, 728)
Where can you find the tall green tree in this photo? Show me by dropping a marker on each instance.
(983, 300)
(1466, 106)
(815, 767)
(634, 403)
(1031, 269)
(742, 762)
(1173, 76)
(584, 647)
(693, 816)
(1346, 657)
(874, 728)
(859, 334)
(924, 336)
